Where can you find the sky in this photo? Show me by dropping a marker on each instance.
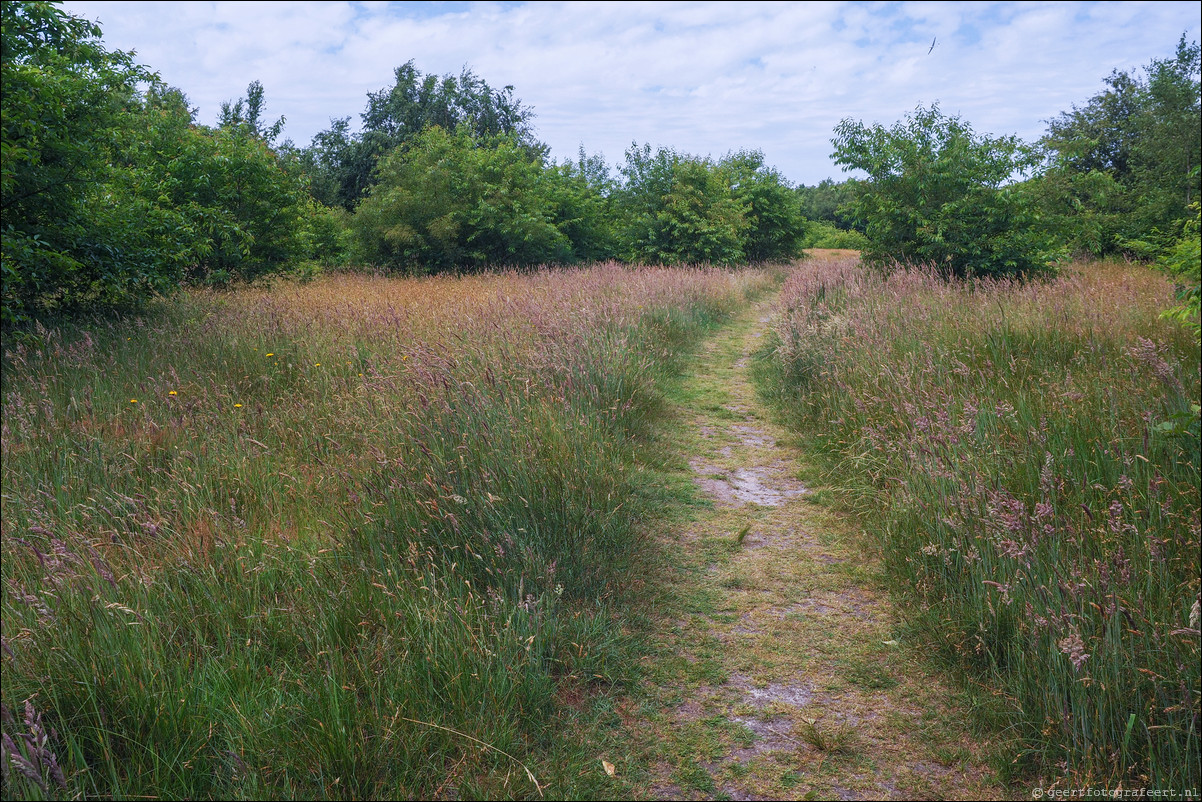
(700, 77)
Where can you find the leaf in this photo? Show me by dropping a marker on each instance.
(610, 769)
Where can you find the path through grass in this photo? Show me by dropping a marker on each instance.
(780, 672)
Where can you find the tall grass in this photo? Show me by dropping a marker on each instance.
(1028, 455)
(345, 539)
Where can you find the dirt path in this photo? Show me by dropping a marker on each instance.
(784, 675)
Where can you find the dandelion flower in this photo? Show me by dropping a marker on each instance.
(133, 400)
(271, 354)
(317, 364)
(173, 393)
(237, 405)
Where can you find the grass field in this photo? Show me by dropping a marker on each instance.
(353, 538)
(1028, 457)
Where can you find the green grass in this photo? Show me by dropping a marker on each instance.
(1027, 456)
(361, 538)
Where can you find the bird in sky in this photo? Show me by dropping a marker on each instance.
(932, 45)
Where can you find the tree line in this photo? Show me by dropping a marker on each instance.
(113, 192)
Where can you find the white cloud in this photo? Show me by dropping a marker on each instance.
(702, 77)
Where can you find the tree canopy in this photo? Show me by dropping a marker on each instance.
(938, 193)
(1121, 169)
(342, 163)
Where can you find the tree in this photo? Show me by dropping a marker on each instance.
(1102, 136)
(74, 238)
(939, 194)
(829, 202)
(1144, 133)
(581, 194)
(342, 163)
(247, 114)
(450, 201)
(775, 226)
(241, 209)
(1171, 140)
(678, 209)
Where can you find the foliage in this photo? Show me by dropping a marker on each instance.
(773, 209)
(241, 211)
(829, 202)
(580, 193)
(73, 237)
(246, 114)
(1183, 261)
(1027, 456)
(326, 234)
(1086, 212)
(113, 194)
(1145, 134)
(448, 200)
(939, 195)
(675, 208)
(342, 164)
(825, 235)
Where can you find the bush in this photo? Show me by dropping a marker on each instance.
(824, 235)
(69, 243)
(447, 201)
(679, 209)
(1184, 263)
(773, 209)
(939, 195)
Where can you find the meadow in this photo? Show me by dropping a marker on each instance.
(351, 538)
(1026, 457)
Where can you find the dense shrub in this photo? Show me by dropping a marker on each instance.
(678, 209)
(940, 195)
(76, 236)
(446, 201)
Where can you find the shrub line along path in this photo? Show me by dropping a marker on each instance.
(781, 673)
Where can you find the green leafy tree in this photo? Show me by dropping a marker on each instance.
(1144, 132)
(581, 194)
(678, 209)
(113, 194)
(242, 209)
(450, 201)
(1103, 135)
(940, 194)
(247, 114)
(775, 226)
(1087, 212)
(1171, 142)
(342, 164)
(73, 237)
(829, 202)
